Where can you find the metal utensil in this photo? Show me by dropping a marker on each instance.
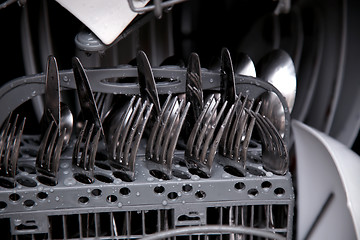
(10, 137)
(244, 65)
(278, 69)
(89, 109)
(54, 110)
(275, 155)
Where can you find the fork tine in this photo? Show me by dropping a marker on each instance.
(209, 137)
(114, 141)
(168, 113)
(223, 143)
(84, 153)
(170, 152)
(76, 159)
(139, 134)
(154, 131)
(241, 131)
(170, 133)
(9, 144)
(199, 142)
(248, 136)
(50, 150)
(16, 147)
(194, 132)
(93, 149)
(125, 130)
(238, 120)
(216, 141)
(57, 152)
(43, 145)
(130, 137)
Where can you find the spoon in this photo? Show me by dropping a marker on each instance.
(244, 65)
(278, 69)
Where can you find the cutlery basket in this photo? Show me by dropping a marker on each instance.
(111, 208)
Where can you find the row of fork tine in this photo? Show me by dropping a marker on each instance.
(10, 137)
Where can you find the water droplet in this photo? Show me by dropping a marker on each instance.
(40, 188)
(137, 194)
(57, 199)
(64, 165)
(117, 181)
(69, 182)
(183, 202)
(164, 203)
(89, 190)
(120, 205)
(225, 175)
(66, 172)
(195, 177)
(211, 80)
(65, 79)
(269, 174)
(33, 93)
(17, 222)
(51, 190)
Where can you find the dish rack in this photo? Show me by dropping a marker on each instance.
(111, 206)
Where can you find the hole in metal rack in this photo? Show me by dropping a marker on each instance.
(123, 176)
(266, 185)
(255, 171)
(29, 151)
(172, 195)
(3, 205)
(83, 178)
(27, 182)
(187, 188)
(29, 203)
(42, 195)
(159, 189)
(279, 191)
(48, 181)
(14, 197)
(111, 198)
(103, 178)
(100, 156)
(6, 183)
(96, 192)
(83, 200)
(180, 174)
(233, 171)
(188, 218)
(200, 194)
(102, 166)
(239, 186)
(125, 191)
(253, 192)
(198, 172)
(159, 174)
(27, 168)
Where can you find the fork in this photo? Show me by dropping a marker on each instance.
(48, 158)
(237, 134)
(165, 133)
(124, 144)
(275, 155)
(201, 146)
(10, 137)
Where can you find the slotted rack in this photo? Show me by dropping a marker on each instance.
(112, 207)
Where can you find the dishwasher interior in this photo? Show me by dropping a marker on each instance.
(174, 119)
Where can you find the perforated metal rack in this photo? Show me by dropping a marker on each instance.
(109, 205)
(112, 208)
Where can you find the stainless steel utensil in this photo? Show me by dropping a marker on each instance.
(10, 137)
(278, 69)
(275, 157)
